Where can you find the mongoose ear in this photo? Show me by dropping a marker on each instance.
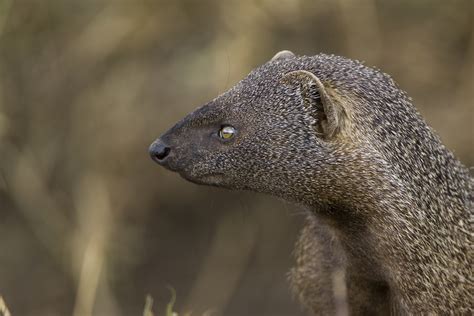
(284, 54)
(328, 111)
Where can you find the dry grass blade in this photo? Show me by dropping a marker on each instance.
(169, 307)
(3, 308)
(148, 310)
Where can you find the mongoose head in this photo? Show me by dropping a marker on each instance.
(328, 131)
(277, 131)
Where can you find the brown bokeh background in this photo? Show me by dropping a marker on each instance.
(89, 225)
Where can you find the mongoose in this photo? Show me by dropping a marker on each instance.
(388, 205)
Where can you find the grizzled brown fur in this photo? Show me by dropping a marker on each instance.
(389, 207)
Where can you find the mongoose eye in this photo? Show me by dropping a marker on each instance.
(227, 132)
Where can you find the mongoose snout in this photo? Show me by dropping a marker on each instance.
(159, 151)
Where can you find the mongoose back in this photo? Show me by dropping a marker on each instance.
(389, 206)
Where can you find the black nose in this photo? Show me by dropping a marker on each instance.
(159, 151)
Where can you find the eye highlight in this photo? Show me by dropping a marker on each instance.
(227, 132)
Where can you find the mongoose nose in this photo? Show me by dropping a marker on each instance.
(159, 151)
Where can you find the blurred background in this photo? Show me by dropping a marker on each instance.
(89, 225)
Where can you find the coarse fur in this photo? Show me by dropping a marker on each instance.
(389, 207)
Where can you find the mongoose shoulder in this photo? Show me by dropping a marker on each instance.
(389, 206)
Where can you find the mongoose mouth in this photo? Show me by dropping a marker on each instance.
(213, 179)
